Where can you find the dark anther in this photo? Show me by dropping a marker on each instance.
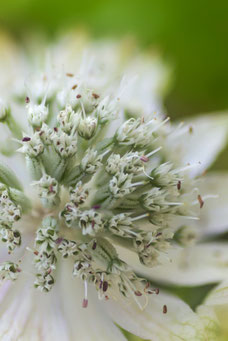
(164, 309)
(179, 185)
(144, 158)
(94, 245)
(105, 286)
(26, 139)
(96, 207)
(201, 202)
(95, 95)
(84, 303)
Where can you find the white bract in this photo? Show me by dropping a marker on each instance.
(102, 190)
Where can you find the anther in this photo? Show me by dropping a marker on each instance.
(190, 130)
(164, 309)
(94, 245)
(27, 99)
(59, 240)
(96, 96)
(144, 158)
(179, 185)
(96, 207)
(105, 286)
(84, 303)
(26, 139)
(201, 202)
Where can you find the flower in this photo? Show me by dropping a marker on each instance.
(102, 185)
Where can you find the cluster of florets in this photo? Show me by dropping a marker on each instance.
(10, 212)
(101, 191)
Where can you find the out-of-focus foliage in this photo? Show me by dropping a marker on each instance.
(190, 34)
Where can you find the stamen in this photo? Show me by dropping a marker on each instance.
(140, 217)
(159, 125)
(85, 300)
(147, 175)
(187, 167)
(153, 152)
(137, 184)
(191, 217)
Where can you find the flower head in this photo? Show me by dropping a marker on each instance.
(114, 191)
(98, 188)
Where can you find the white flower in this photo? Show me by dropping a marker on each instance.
(68, 119)
(107, 195)
(87, 127)
(37, 114)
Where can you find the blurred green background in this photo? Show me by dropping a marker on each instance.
(192, 35)
(189, 35)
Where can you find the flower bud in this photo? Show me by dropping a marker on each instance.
(48, 189)
(87, 127)
(90, 222)
(68, 119)
(9, 271)
(37, 114)
(91, 161)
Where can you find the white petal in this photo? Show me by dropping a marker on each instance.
(27, 314)
(218, 296)
(215, 309)
(179, 323)
(196, 265)
(214, 214)
(200, 141)
(91, 323)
